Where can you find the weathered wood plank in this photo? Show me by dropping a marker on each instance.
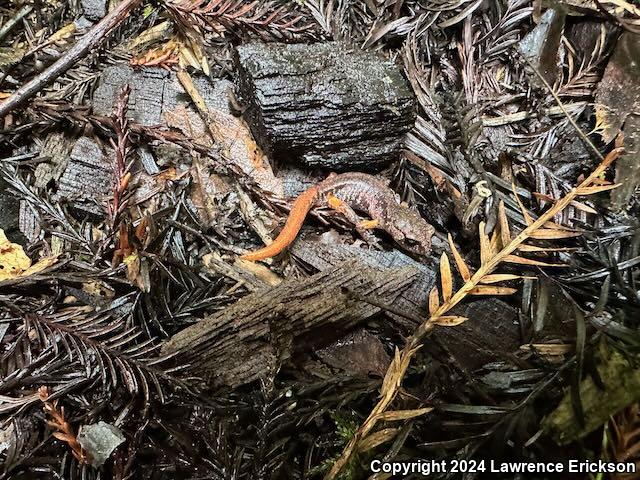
(250, 338)
(492, 332)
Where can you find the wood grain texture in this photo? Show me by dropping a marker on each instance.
(252, 337)
(324, 104)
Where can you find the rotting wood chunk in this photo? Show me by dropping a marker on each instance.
(156, 92)
(9, 206)
(412, 300)
(618, 109)
(249, 339)
(491, 334)
(324, 104)
(86, 182)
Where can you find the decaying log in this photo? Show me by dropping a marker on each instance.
(324, 104)
(86, 182)
(491, 334)
(250, 338)
(412, 300)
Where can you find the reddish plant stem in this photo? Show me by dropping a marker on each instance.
(121, 148)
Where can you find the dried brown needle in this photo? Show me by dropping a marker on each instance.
(63, 430)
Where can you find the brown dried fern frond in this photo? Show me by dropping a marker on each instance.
(282, 20)
(502, 247)
(583, 74)
(63, 430)
(624, 445)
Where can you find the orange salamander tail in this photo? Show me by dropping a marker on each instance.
(298, 213)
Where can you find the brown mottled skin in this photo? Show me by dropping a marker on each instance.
(350, 192)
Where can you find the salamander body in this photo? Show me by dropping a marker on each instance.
(350, 193)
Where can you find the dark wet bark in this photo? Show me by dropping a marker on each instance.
(325, 105)
(250, 338)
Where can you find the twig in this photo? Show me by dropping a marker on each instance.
(474, 284)
(7, 27)
(88, 42)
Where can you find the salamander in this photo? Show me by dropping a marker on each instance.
(349, 193)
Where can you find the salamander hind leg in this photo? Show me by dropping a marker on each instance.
(368, 224)
(363, 227)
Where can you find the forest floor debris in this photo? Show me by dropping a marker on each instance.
(145, 147)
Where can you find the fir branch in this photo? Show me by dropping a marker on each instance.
(624, 430)
(266, 18)
(53, 212)
(106, 348)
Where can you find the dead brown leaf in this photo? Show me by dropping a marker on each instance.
(505, 232)
(485, 245)
(377, 438)
(529, 261)
(15, 263)
(449, 321)
(549, 234)
(460, 263)
(434, 300)
(500, 277)
(492, 290)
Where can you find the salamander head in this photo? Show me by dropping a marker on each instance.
(410, 230)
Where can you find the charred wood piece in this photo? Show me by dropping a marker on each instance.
(86, 182)
(324, 104)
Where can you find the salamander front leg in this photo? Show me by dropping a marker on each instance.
(363, 227)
